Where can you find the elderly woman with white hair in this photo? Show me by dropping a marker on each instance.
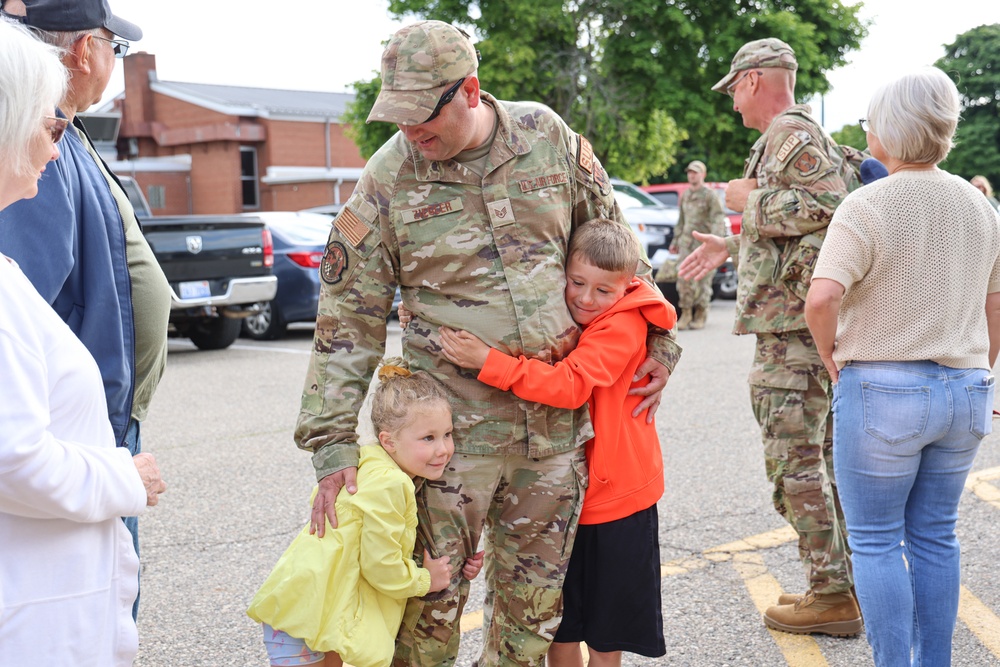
(905, 309)
(68, 570)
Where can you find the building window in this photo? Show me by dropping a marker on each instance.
(156, 195)
(248, 176)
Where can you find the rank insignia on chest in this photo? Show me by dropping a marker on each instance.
(501, 212)
(351, 226)
(334, 263)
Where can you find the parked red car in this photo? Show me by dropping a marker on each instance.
(669, 195)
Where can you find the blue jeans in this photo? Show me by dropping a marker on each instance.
(134, 445)
(905, 435)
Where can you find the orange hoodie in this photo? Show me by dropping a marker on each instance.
(624, 458)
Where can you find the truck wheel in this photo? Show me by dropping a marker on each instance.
(266, 324)
(215, 333)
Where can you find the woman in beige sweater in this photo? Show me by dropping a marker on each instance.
(905, 309)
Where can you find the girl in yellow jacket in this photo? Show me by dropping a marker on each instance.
(341, 597)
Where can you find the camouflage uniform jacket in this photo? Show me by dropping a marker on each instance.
(700, 211)
(798, 168)
(481, 253)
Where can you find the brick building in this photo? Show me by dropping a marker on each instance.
(202, 148)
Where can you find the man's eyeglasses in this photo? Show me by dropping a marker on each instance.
(119, 46)
(448, 96)
(57, 129)
(864, 124)
(731, 88)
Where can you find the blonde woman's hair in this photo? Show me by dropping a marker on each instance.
(982, 181)
(915, 116)
(32, 83)
(608, 245)
(400, 394)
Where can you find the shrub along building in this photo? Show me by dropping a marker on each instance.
(202, 148)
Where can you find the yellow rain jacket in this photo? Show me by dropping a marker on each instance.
(346, 592)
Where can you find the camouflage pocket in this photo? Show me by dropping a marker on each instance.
(799, 261)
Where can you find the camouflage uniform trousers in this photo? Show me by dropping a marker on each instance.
(693, 293)
(790, 392)
(530, 508)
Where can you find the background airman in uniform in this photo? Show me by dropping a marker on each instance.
(793, 181)
(700, 212)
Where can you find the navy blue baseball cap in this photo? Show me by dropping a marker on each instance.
(70, 15)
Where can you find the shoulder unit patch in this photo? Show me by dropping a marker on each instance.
(334, 263)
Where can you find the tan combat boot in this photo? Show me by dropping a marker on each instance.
(700, 315)
(685, 320)
(835, 614)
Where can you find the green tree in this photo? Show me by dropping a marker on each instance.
(634, 76)
(851, 135)
(973, 63)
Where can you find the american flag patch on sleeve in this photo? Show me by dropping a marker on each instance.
(351, 226)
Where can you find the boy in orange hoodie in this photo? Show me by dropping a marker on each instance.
(618, 608)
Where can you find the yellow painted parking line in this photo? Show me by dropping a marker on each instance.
(471, 621)
(980, 619)
(979, 484)
(725, 552)
(764, 589)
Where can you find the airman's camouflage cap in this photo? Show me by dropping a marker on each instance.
(420, 63)
(758, 54)
(697, 165)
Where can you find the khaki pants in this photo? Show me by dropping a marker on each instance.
(527, 510)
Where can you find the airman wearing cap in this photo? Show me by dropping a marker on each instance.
(431, 92)
(700, 211)
(791, 186)
(468, 209)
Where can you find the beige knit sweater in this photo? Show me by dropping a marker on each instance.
(917, 252)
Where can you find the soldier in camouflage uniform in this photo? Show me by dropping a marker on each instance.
(793, 181)
(700, 212)
(468, 209)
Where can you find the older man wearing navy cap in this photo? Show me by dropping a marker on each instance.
(99, 272)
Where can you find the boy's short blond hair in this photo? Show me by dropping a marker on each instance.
(606, 244)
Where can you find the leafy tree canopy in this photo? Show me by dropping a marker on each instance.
(973, 63)
(851, 135)
(635, 76)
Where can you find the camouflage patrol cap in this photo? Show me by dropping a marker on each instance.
(420, 63)
(698, 166)
(758, 54)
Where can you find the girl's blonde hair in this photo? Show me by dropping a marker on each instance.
(400, 394)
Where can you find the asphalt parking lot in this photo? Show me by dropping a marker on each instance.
(221, 426)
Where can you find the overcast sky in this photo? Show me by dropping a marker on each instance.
(328, 44)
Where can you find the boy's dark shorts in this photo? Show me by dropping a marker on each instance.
(611, 596)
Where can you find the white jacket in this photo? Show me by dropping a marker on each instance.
(68, 570)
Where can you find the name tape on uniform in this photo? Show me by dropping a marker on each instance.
(431, 210)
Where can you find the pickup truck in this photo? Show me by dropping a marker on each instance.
(218, 267)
